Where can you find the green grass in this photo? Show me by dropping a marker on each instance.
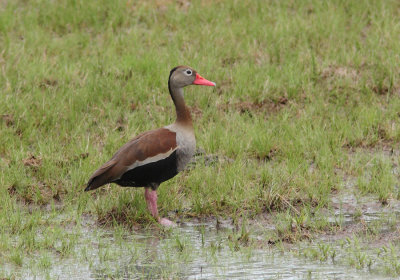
(307, 93)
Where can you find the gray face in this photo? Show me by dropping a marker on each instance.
(183, 76)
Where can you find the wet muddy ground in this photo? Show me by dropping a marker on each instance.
(215, 249)
(362, 244)
(192, 251)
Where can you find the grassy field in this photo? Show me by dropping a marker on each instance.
(306, 109)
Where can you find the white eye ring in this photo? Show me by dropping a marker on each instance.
(188, 72)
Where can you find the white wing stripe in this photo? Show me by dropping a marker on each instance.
(151, 159)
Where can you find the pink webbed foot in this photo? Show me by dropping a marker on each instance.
(151, 200)
(167, 223)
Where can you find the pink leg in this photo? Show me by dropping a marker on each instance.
(151, 200)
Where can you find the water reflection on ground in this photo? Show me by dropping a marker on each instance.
(191, 251)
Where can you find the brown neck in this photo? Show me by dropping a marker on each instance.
(182, 111)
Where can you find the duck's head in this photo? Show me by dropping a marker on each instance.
(182, 76)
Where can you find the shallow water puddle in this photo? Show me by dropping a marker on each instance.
(192, 251)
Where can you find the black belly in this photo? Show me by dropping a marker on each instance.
(151, 174)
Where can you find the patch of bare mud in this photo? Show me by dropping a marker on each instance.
(32, 161)
(159, 5)
(334, 71)
(8, 119)
(48, 82)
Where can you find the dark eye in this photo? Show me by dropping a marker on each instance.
(188, 72)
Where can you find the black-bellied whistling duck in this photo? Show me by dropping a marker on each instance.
(156, 155)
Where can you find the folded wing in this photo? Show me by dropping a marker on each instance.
(144, 150)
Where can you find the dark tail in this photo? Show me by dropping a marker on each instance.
(101, 177)
(91, 185)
